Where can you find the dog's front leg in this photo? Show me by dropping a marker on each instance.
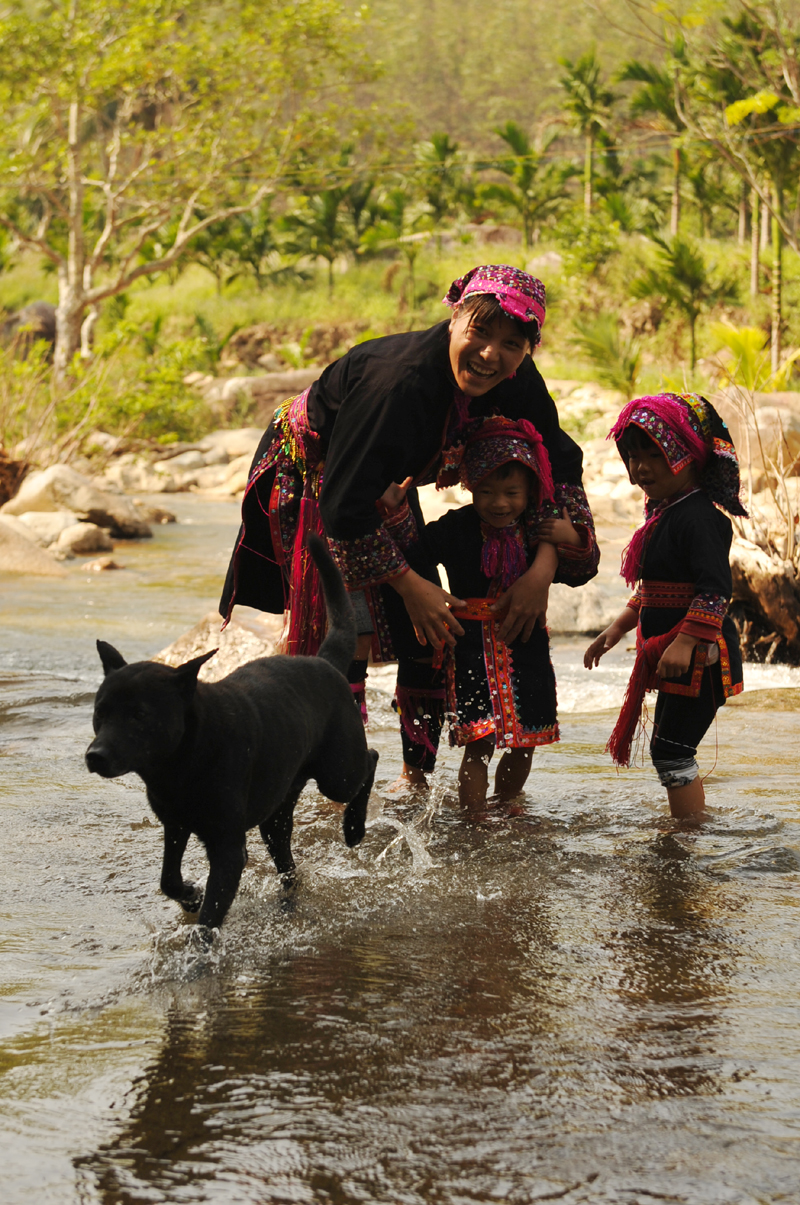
(189, 895)
(227, 863)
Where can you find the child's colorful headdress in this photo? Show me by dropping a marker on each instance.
(520, 295)
(687, 428)
(498, 441)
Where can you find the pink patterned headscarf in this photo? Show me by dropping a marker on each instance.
(687, 429)
(520, 295)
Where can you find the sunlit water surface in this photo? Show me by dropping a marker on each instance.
(574, 1004)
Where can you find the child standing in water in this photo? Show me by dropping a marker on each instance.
(499, 696)
(679, 452)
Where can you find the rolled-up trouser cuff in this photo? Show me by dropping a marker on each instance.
(676, 771)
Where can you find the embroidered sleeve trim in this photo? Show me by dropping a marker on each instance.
(577, 565)
(402, 527)
(368, 560)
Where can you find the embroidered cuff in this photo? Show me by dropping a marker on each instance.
(402, 526)
(705, 615)
(635, 602)
(368, 560)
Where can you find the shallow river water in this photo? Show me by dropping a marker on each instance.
(576, 1004)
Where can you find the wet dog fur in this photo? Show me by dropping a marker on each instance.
(220, 758)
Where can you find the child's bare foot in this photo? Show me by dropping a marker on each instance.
(411, 781)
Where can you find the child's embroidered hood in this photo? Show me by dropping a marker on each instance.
(687, 428)
(498, 441)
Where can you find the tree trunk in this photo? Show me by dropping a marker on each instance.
(777, 282)
(764, 227)
(675, 209)
(754, 262)
(742, 232)
(588, 174)
(69, 319)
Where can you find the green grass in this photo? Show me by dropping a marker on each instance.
(158, 340)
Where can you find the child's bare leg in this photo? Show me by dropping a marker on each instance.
(687, 802)
(512, 773)
(473, 775)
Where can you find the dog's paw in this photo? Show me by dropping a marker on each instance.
(201, 939)
(192, 898)
(354, 827)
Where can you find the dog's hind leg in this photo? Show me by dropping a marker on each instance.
(277, 834)
(355, 814)
(189, 895)
(227, 863)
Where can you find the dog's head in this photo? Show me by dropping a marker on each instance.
(140, 713)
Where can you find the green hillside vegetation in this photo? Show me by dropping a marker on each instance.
(327, 171)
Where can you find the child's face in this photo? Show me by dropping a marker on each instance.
(501, 500)
(648, 468)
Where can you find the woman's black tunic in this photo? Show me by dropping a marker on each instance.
(382, 413)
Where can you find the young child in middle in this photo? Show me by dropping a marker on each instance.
(499, 696)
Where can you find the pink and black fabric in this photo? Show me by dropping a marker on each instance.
(521, 295)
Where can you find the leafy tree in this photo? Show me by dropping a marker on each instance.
(125, 120)
(588, 104)
(685, 281)
(740, 93)
(536, 185)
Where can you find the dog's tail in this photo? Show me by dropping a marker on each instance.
(339, 646)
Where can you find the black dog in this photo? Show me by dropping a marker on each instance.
(218, 759)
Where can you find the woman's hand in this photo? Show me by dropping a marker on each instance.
(394, 496)
(677, 657)
(428, 606)
(560, 531)
(623, 624)
(524, 604)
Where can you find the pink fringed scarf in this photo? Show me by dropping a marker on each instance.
(643, 678)
(503, 553)
(306, 602)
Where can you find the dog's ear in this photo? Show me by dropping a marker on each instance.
(187, 673)
(110, 657)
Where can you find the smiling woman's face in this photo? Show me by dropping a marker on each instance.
(482, 355)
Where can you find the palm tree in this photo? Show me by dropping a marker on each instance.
(683, 279)
(616, 358)
(588, 103)
(315, 228)
(653, 105)
(536, 187)
(440, 174)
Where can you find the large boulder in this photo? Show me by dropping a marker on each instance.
(61, 488)
(33, 322)
(20, 553)
(47, 525)
(243, 640)
(264, 392)
(769, 588)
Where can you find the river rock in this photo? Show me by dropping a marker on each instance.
(243, 640)
(20, 553)
(46, 526)
(132, 474)
(82, 538)
(585, 610)
(240, 442)
(266, 392)
(61, 488)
